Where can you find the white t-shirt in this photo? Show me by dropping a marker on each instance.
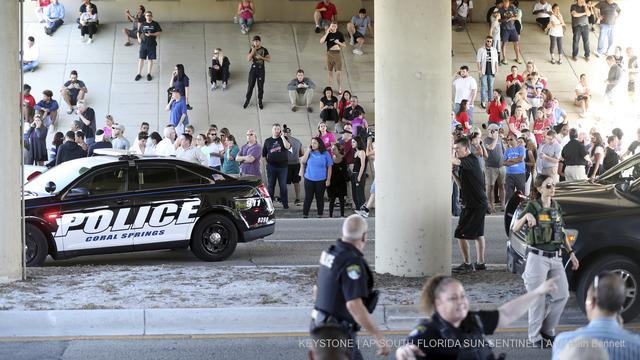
(165, 148)
(581, 89)
(545, 7)
(463, 88)
(556, 30)
(463, 8)
(215, 148)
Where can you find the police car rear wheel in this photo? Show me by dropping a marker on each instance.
(214, 239)
(36, 248)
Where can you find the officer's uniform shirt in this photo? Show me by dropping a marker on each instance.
(343, 276)
(438, 339)
(545, 216)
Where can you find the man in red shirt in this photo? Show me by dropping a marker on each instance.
(324, 14)
(515, 82)
(28, 104)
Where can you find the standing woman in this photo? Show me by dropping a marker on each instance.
(462, 117)
(556, 32)
(359, 175)
(597, 155)
(219, 69)
(329, 106)
(339, 177)
(58, 139)
(246, 11)
(37, 138)
(230, 165)
(317, 165)
(327, 137)
(545, 237)
(180, 81)
(529, 161)
(518, 21)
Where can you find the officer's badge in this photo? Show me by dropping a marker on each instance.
(418, 330)
(354, 272)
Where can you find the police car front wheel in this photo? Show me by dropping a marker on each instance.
(214, 238)
(36, 248)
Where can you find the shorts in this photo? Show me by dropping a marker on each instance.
(324, 23)
(131, 33)
(334, 60)
(582, 97)
(494, 174)
(293, 174)
(509, 36)
(471, 223)
(148, 53)
(357, 35)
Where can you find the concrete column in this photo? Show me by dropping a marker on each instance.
(10, 152)
(413, 151)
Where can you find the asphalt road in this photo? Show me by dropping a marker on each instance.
(296, 242)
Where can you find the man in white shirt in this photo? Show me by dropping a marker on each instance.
(190, 153)
(465, 87)
(542, 11)
(166, 147)
(31, 55)
(487, 60)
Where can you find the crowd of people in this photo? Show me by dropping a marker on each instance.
(340, 153)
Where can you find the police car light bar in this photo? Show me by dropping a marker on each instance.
(115, 152)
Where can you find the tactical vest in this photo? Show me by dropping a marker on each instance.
(548, 229)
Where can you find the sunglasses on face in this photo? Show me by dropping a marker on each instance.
(550, 185)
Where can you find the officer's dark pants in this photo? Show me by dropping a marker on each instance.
(313, 189)
(278, 174)
(256, 74)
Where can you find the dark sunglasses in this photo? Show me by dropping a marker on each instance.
(550, 185)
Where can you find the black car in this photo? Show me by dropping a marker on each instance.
(602, 219)
(122, 203)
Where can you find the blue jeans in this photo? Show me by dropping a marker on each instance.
(31, 65)
(606, 34)
(581, 31)
(456, 108)
(248, 22)
(486, 87)
(278, 174)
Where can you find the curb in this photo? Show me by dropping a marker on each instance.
(201, 321)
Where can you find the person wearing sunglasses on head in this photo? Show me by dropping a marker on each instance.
(545, 236)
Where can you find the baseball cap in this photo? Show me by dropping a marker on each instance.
(256, 38)
(493, 127)
(118, 126)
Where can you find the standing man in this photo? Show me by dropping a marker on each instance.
(632, 70)
(613, 78)
(465, 88)
(148, 33)
(580, 26)
(508, 32)
(487, 60)
(609, 12)
(549, 154)
(335, 42)
(54, 17)
(357, 30)
(69, 150)
(257, 56)
(249, 155)
(575, 158)
(344, 294)
(293, 163)
(31, 55)
(542, 11)
(275, 151)
(495, 171)
(73, 90)
(470, 179)
(324, 14)
(178, 108)
(513, 161)
(88, 118)
(301, 91)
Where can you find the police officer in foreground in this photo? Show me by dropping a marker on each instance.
(344, 294)
(545, 237)
(257, 57)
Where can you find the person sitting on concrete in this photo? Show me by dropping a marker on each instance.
(301, 91)
(41, 8)
(83, 9)
(73, 90)
(246, 12)
(219, 70)
(54, 16)
(135, 21)
(357, 30)
(48, 108)
(88, 24)
(324, 14)
(462, 15)
(30, 56)
(605, 299)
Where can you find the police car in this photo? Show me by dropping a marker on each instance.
(120, 203)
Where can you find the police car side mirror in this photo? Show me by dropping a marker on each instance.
(50, 187)
(78, 192)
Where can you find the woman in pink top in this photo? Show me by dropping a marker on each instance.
(327, 137)
(518, 122)
(108, 123)
(246, 10)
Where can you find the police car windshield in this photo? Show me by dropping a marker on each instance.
(62, 175)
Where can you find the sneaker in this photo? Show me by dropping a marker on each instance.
(503, 62)
(519, 61)
(317, 29)
(462, 268)
(260, 105)
(189, 107)
(224, 86)
(553, 61)
(70, 111)
(483, 105)
(559, 62)
(294, 108)
(246, 103)
(138, 77)
(363, 211)
(297, 202)
(351, 41)
(243, 31)
(214, 86)
(358, 51)
(90, 40)
(549, 338)
(596, 54)
(309, 109)
(128, 43)
(477, 266)
(149, 77)
(586, 58)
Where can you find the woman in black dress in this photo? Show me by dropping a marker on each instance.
(37, 140)
(359, 175)
(329, 106)
(339, 177)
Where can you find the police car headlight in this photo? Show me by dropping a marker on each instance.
(572, 235)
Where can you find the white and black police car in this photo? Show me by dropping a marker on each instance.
(121, 203)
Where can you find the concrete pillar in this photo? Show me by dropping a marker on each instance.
(10, 152)
(413, 151)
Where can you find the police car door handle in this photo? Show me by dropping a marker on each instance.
(123, 201)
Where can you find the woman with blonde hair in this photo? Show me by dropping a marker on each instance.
(219, 70)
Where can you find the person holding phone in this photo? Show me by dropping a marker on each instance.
(257, 57)
(335, 42)
(148, 33)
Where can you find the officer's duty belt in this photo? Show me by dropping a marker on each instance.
(321, 318)
(549, 254)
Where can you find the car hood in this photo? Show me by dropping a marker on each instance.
(584, 198)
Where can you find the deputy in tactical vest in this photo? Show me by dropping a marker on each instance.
(545, 237)
(344, 294)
